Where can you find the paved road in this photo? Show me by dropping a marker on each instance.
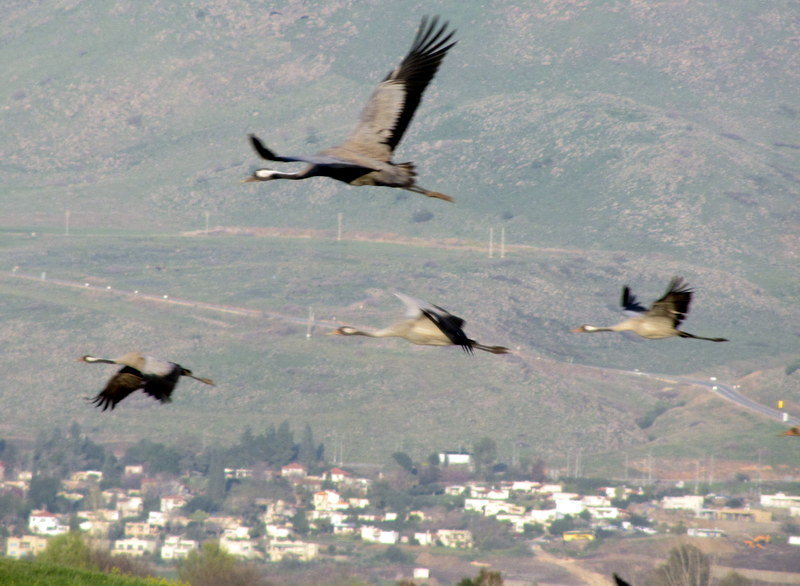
(722, 390)
(731, 394)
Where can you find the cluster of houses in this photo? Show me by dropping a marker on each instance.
(339, 500)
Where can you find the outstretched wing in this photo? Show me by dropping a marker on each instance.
(161, 388)
(675, 302)
(160, 378)
(413, 306)
(319, 159)
(630, 305)
(391, 107)
(119, 386)
(451, 326)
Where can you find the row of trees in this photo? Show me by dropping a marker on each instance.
(56, 454)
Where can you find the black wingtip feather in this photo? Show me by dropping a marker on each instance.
(262, 150)
(629, 301)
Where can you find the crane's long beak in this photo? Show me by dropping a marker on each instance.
(251, 179)
(333, 333)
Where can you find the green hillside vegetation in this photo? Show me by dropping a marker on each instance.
(614, 144)
(28, 573)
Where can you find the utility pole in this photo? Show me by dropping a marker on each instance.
(758, 482)
(340, 217)
(711, 472)
(310, 321)
(66, 222)
(625, 477)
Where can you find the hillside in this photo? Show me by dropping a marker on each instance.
(615, 144)
(25, 573)
(420, 399)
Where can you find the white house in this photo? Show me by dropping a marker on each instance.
(478, 505)
(376, 535)
(356, 502)
(459, 538)
(133, 546)
(702, 532)
(455, 459)
(46, 523)
(293, 470)
(337, 475)
(173, 502)
(592, 500)
(688, 502)
(542, 516)
(157, 518)
(133, 470)
(603, 512)
(565, 496)
(299, 550)
(278, 531)
(25, 546)
(241, 547)
(176, 547)
(87, 475)
(779, 500)
(130, 506)
(329, 500)
(425, 538)
(517, 521)
(569, 507)
(525, 485)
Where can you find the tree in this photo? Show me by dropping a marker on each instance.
(43, 492)
(68, 549)
(733, 578)
(212, 566)
(685, 566)
(488, 533)
(405, 462)
(396, 555)
(112, 471)
(300, 522)
(484, 578)
(216, 477)
(485, 453)
(307, 453)
(159, 457)
(566, 523)
(284, 447)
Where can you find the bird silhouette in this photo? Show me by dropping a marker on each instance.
(427, 325)
(660, 321)
(154, 376)
(364, 158)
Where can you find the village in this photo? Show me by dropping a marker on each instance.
(332, 514)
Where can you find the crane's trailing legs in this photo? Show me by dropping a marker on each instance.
(436, 194)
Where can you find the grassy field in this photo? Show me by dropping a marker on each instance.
(25, 573)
